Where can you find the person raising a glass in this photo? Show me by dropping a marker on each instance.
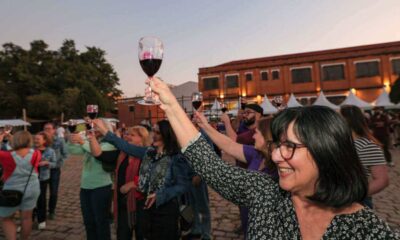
(321, 180)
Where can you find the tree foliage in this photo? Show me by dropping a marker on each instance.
(47, 82)
(395, 92)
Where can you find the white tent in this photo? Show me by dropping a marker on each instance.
(356, 101)
(267, 106)
(82, 121)
(323, 101)
(384, 101)
(13, 122)
(216, 107)
(292, 102)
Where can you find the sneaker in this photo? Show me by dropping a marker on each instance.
(18, 229)
(52, 216)
(390, 164)
(42, 225)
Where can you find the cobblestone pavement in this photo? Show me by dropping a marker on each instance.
(225, 216)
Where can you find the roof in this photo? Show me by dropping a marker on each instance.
(267, 106)
(323, 101)
(296, 58)
(354, 100)
(13, 122)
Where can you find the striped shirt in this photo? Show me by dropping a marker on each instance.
(370, 154)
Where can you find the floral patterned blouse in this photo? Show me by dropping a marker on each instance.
(271, 211)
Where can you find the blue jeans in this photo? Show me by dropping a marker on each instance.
(55, 174)
(200, 203)
(95, 206)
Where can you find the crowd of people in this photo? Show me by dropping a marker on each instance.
(304, 173)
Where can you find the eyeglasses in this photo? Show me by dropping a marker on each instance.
(247, 112)
(286, 148)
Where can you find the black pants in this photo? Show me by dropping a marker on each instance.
(41, 203)
(55, 174)
(124, 231)
(95, 210)
(162, 222)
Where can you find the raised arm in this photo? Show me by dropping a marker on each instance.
(228, 127)
(118, 142)
(222, 141)
(235, 184)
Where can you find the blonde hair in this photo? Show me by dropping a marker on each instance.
(21, 139)
(143, 133)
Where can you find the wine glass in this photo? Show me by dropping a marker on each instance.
(151, 51)
(224, 108)
(92, 111)
(72, 126)
(197, 100)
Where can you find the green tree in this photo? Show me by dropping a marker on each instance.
(48, 82)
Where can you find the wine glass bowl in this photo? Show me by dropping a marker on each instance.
(197, 100)
(92, 111)
(72, 126)
(151, 52)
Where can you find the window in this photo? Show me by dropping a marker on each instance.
(301, 75)
(249, 77)
(131, 108)
(264, 76)
(333, 72)
(396, 66)
(275, 74)
(211, 83)
(232, 81)
(367, 69)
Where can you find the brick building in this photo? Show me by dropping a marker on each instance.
(131, 113)
(366, 69)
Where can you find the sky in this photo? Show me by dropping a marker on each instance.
(199, 33)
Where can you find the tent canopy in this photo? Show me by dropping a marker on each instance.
(216, 106)
(323, 101)
(13, 122)
(292, 102)
(267, 106)
(354, 100)
(384, 101)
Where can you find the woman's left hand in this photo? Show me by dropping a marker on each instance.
(161, 92)
(151, 199)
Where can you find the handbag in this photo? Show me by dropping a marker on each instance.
(13, 198)
(186, 218)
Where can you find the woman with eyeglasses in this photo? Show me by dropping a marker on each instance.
(321, 181)
(369, 151)
(163, 178)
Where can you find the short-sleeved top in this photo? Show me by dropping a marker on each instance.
(245, 138)
(254, 159)
(369, 153)
(93, 174)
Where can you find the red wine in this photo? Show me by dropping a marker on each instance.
(243, 105)
(92, 115)
(196, 104)
(224, 109)
(88, 126)
(72, 128)
(150, 66)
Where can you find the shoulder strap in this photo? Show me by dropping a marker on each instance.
(34, 155)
